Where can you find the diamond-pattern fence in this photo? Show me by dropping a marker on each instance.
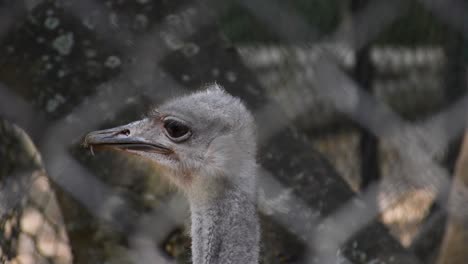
(358, 132)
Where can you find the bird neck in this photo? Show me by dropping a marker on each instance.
(225, 226)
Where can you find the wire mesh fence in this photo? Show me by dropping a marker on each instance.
(359, 106)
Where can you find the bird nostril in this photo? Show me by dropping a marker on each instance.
(125, 132)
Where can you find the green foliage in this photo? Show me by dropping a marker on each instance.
(418, 26)
(323, 15)
(240, 25)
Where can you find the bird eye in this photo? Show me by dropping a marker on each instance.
(176, 130)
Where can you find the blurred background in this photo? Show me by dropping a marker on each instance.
(360, 107)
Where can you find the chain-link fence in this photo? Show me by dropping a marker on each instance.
(359, 106)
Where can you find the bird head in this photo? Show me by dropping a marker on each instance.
(199, 137)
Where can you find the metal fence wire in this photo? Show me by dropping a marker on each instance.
(360, 108)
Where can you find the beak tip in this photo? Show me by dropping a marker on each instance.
(85, 141)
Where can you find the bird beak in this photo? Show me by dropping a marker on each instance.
(124, 138)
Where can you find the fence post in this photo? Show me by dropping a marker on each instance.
(363, 74)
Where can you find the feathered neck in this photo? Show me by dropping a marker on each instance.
(225, 226)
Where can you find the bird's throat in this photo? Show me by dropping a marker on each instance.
(225, 229)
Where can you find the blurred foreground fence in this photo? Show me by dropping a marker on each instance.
(360, 107)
